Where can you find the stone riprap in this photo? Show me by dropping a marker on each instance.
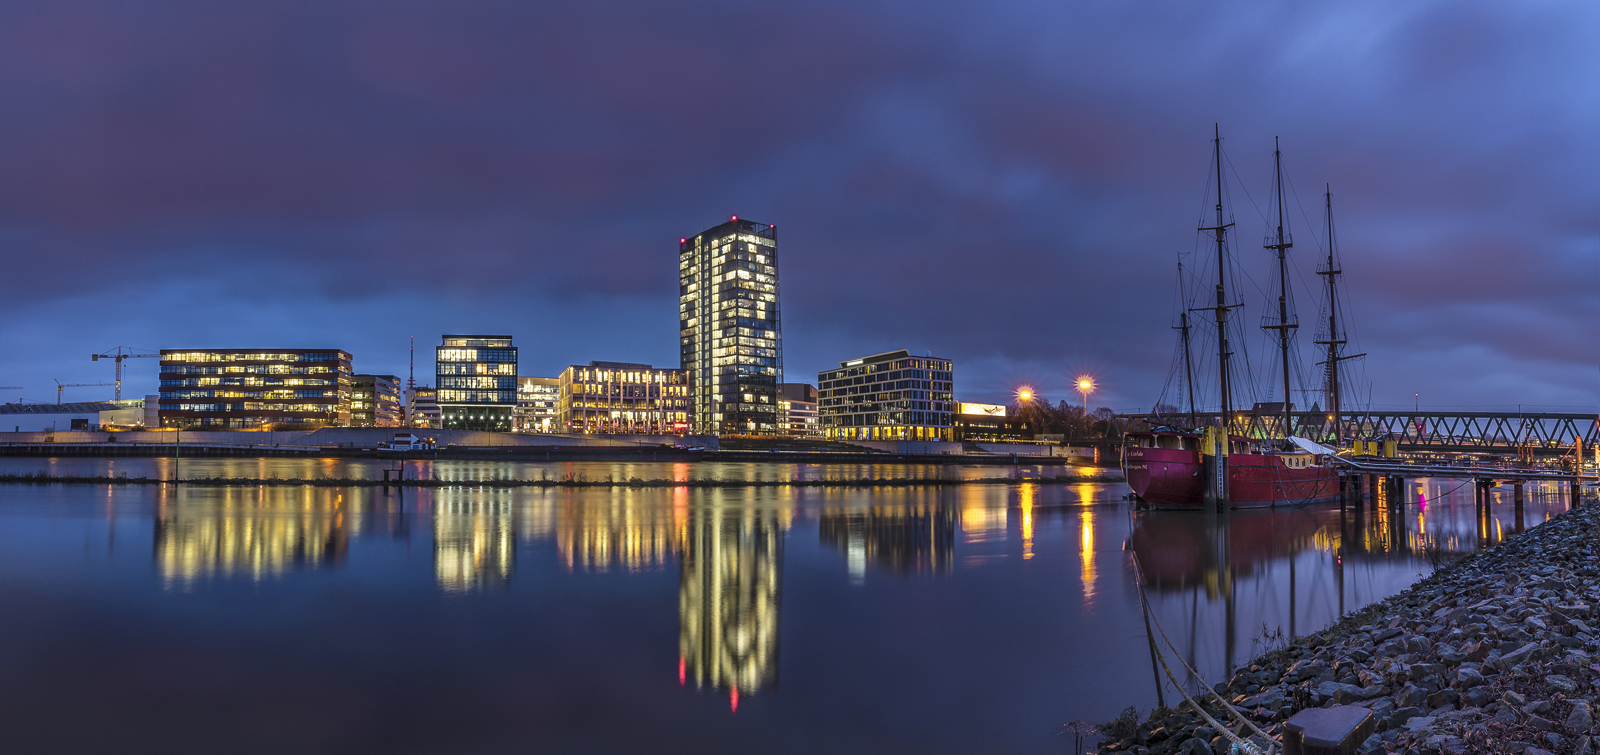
(1496, 653)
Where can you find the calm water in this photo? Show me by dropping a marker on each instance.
(969, 619)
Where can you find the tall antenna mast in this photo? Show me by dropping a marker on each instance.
(1282, 247)
(1221, 309)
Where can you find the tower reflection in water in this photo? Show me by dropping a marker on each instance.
(901, 537)
(730, 575)
(474, 543)
(1229, 586)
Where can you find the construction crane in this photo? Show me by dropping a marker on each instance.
(118, 354)
(60, 386)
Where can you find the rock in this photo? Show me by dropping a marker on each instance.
(1536, 707)
(1402, 715)
(1505, 716)
(1467, 678)
(1561, 684)
(1419, 723)
(1579, 721)
(1411, 696)
(1443, 697)
(1195, 746)
(1512, 697)
(1542, 724)
(1516, 657)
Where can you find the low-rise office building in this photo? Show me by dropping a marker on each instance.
(890, 396)
(422, 402)
(477, 382)
(375, 401)
(242, 389)
(797, 410)
(623, 397)
(989, 422)
(538, 400)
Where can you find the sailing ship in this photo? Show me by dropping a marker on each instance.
(1184, 467)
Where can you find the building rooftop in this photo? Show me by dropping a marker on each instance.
(81, 407)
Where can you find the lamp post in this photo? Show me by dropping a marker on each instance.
(1085, 387)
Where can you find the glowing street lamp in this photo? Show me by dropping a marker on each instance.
(1024, 393)
(1085, 387)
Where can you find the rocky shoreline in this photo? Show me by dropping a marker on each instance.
(1496, 653)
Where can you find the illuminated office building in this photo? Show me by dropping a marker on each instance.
(623, 397)
(477, 382)
(730, 339)
(375, 401)
(988, 422)
(730, 574)
(255, 388)
(423, 402)
(797, 410)
(890, 396)
(537, 401)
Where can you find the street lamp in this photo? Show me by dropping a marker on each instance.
(1085, 387)
(1025, 394)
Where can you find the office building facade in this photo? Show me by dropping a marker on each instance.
(623, 397)
(797, 410)
(890, 396)
(730, 333)
(245, 389)
(423, 402)
(476, 382)
(538, 400)
(375, 401)
(989, 422)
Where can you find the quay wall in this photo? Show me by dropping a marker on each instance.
(352, 437)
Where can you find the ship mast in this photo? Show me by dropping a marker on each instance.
(1188, 362)
(1220, 311)
(1282, 247)
(1334, 337)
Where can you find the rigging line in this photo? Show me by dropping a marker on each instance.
(1243, 188)
(1238, 741)
(1303, 216)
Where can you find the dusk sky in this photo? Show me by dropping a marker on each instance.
(1006, 184)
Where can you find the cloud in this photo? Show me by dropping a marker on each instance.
(1007, 185)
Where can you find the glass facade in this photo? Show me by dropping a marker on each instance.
(538, 399)
(892, 396)
(731, 343)
(476, 385)
(623, 397)
(375, 401)
(255, 389)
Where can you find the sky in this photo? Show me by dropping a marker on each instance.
(1006, 184)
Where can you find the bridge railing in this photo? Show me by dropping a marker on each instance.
(1528, 433)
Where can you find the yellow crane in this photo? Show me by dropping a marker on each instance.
(118, 354)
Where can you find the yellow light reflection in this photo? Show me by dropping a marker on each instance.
(1086, 552)
(1026, 492)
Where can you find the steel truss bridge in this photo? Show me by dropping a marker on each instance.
(1517, 433)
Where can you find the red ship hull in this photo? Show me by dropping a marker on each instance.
(1170, 478)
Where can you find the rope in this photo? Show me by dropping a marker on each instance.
(1238, 742)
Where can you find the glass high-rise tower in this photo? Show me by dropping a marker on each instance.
(729, 329)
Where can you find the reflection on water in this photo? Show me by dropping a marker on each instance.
(1002, 610)
(729, 585)
(1230, 583)
(903, 538)
(248, 532)
(473, 542)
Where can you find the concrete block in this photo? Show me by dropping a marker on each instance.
(1338, 730)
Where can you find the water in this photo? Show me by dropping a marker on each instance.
(976, 618)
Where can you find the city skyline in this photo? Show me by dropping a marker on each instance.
(1015, 206)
